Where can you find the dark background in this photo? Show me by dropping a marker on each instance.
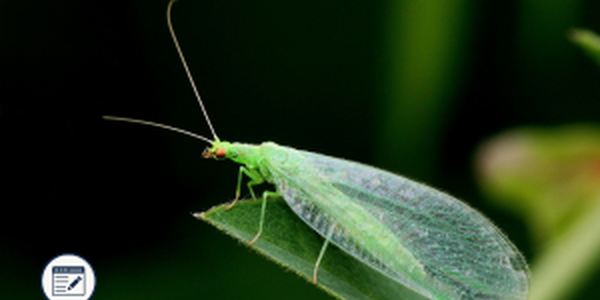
(334, 77)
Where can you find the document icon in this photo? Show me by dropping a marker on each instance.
(68, 281)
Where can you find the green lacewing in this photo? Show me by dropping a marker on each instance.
(420, 237)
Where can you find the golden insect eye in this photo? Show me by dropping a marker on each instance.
(221, 153)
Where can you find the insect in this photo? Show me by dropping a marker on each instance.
(424, 239)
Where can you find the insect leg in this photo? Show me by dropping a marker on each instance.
(255, 178)
(263, 209)
(321, 254)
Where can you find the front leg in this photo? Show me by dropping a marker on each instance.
(255, 178)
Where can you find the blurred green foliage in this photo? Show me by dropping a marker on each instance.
(588, 41)
(549, 176)
(407, 86)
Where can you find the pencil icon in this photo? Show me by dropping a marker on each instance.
(74, 283)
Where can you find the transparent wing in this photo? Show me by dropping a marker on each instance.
(456, 246)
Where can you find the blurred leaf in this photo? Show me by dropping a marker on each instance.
(425, 48)
(551, 176)
(569, 260)
(291, 243)
(588, 41)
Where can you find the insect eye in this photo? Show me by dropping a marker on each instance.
(221, 153)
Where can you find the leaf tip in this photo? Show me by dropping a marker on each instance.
(198, 215)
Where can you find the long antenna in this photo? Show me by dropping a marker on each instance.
(187, 71)
(159, 125)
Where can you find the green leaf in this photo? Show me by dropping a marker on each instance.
(550, 176)
(288, 241)
(588, 41)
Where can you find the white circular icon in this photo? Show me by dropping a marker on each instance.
(68, 277)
